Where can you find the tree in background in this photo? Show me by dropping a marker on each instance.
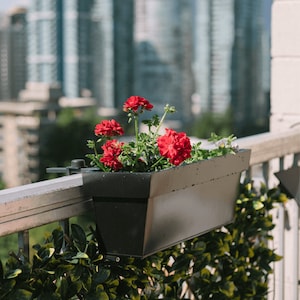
(66, 139)
(208, 122)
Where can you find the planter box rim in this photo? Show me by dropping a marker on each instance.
(240, 151)
(145, 184)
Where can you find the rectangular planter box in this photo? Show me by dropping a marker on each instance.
(138, 214)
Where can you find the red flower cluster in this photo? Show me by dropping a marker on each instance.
(108, 128)
(111, 151)
(174, 145)
(146, 152)
(135, 102)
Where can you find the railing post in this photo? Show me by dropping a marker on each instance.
(65, 224)
(265, 172)
(77, 165)
(296, 159)
(23, 242)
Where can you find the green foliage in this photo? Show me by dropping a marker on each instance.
(230, 263)
(61, 142)
(2, 184)
(209, 122)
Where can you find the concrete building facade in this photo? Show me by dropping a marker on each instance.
(20, 126)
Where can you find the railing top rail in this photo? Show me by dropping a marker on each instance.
(40, 203)
(269, 145)
(42, 187)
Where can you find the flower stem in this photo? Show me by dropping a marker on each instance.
(157, 162)
(161, 122)
(167, 109)
(95, 149)
(136, 128)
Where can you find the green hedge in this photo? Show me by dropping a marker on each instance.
(230, 263)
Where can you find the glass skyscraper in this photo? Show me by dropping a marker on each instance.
(231, 60)
(59, 44)
(45, 36)
(113, 55)
(77, 48)
(12, 54)
(214, 37)
(86, 46)
(164, 47)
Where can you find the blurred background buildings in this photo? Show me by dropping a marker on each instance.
(203, 56)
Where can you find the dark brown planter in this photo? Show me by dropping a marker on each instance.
(290, 182)
(138, 214)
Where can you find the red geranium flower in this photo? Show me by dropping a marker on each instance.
(135, 102)
(111, 151)
(174, 145)
(108, 128)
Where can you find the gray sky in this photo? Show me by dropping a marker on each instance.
(6, 5)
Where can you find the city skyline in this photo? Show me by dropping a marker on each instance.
(187, 55)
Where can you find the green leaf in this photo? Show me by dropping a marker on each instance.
(79, 237)
(58, 238)
(42, 257)
(63, 269)
(1, 271)
(80, 255)
(101, 276)
(257, 205)
(20, 294)
(63, 287)
(92, 249)
(13, 273)
(49, 295)
(46, 252)
(99, 294)
(205, 273)
(228, 288)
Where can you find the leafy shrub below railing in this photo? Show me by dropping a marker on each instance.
(231, 263)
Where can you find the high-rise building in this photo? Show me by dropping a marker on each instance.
(250, 92)
(214, 38)
(103, 56)
(231, 61)
(45, 42)
(164, 53)
(59, 40)
(12, 53)
(113, 52)
(20, 134)
(84, 45)
(77, 48)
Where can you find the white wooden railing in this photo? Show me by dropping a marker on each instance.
(33, 205)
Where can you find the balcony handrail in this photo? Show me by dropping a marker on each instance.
(44, 202)
(270, 145)
(41, 203)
